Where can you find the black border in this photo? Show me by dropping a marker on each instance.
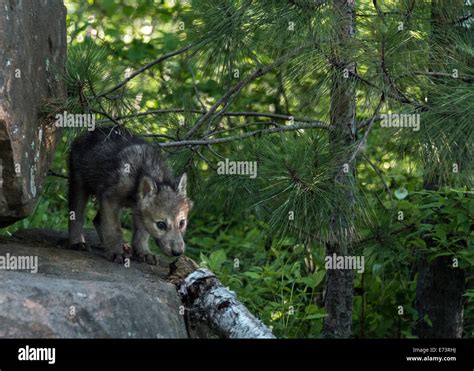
(90, 352)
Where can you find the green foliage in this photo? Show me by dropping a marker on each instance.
(444, 219)
(272, 280)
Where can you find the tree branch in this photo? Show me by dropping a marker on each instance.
(279, 129)
(146, 67)
(53, 173)
(379, 173)
(203, 112)
(367, 131)
(462, 77)
(238, 87)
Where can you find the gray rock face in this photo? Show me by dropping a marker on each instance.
(78, 294)
(32, 60)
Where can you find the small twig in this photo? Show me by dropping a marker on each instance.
(462, 19)
(389, 81)
(195, 150)
(240, 127)
(362, 124)
(282, 92)
(146, 67)
(379, 173)
(160, 136)
(214, 152)
(367, 131)
(103, 113)
(53, 173)
(379, 12)
(196, 91)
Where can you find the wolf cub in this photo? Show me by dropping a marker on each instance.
(123, 170)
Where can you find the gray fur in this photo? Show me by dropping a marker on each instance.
(123, 170)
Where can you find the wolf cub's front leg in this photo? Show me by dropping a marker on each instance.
(141, 252)
(109, 230)
(140, 248)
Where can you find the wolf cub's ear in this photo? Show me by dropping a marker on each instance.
(182, 184)
(146, 187)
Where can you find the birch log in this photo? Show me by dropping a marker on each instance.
(209, 301)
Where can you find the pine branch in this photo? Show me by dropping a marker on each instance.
(203, 142)
(376, 237)
(146, 67)
(238, 127)
(390, 93)
(238, 87)
(203, 112)
(462, 77)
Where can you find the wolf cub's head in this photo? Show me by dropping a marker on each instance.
(164, 213)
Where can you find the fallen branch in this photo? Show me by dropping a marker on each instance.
(209, 301)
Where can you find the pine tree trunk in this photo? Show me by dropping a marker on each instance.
(439, 293)
(339, 283)
(440, 287)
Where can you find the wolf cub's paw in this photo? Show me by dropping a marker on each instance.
(119, 258)
(80, 246)
(122, 257)
(127, 249)
(146, 258)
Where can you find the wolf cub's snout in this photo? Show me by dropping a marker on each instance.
(123, 170)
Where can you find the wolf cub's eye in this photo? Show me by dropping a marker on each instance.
(182, 223)
(161, 225)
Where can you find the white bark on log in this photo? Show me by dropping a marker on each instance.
(216, 305)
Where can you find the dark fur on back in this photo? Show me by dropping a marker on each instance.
(100, 157)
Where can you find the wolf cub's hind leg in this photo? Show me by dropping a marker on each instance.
(109, 229)
(141, 251)
(96, 223)
(77, 205)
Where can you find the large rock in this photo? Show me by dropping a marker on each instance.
(82, 295)
(32, 60)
